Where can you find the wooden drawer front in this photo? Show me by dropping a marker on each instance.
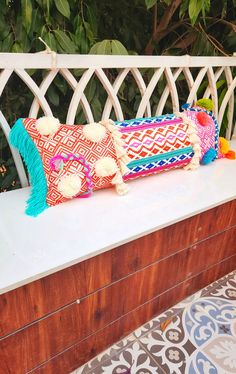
(37, 299)
(85, 350)
(45, 338)
(42, 297)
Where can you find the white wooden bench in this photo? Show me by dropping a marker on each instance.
(61, 272)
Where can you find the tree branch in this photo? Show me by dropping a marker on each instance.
(154, 19)
(159, 29)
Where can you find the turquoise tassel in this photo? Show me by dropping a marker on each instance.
(20, 139)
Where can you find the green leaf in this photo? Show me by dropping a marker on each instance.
(131, 93)
(88, 31)
(47, 4)
(81, 39)
(220, 83)
(101, 48)
(90, 90)
(183, 8)
(97, 107)
(7, 43)
(17, 48)
(65, 42)
(108, 47)
(51, 41)
(150, 3)
(36, 21)
(53, 95)
(63, 7)
(60, 84)
(26, 14)
(118, 48)
(195, 7)
(77, 21)
(92, 19)
(4, 28)
(222, 95)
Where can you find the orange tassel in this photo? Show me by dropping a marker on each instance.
(230, 155)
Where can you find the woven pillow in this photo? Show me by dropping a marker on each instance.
(159, 144)
(69, 161)
(207, 130)
(170, 141)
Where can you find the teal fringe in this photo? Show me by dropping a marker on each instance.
(20, 139)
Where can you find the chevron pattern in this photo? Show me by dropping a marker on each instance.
(70, 139)
(149, 142)
(157, 136)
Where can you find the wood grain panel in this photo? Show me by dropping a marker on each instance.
(39, 298)
(85, 350)
(43, 339)
(46, 295)
(160, 244)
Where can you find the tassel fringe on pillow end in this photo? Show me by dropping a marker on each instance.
(122, 157)
(195, 141)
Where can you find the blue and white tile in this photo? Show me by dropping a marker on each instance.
(201, 338)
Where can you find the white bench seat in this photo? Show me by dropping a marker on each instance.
(32, 248)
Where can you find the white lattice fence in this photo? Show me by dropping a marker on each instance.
(194, 70)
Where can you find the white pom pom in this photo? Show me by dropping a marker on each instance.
(69, 185)
(47, 125)
(94, 132)
(105, 167)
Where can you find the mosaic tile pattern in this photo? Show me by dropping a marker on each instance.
(196, 336)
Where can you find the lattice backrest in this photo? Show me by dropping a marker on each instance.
(166, 70)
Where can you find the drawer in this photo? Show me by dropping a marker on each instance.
(53, 334)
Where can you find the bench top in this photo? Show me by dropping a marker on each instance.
(31, 248)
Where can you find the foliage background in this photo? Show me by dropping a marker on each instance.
(160, 27)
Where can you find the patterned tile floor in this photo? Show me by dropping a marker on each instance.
(196, 336)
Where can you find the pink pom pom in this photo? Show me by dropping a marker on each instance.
(203, 118)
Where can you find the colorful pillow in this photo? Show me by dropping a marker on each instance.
(207, 129)
(171, 141)
(72, 161)
(159, 144)
(212, 146)
(69, 161)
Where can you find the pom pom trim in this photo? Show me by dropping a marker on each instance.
(57, 163)
(216, 126)
(94, 132)
(105, 167)
(205, 103)
(209, 156)
(121, 154)
(195, 141)
(47, 125)
(224, 145)
(69, 185)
